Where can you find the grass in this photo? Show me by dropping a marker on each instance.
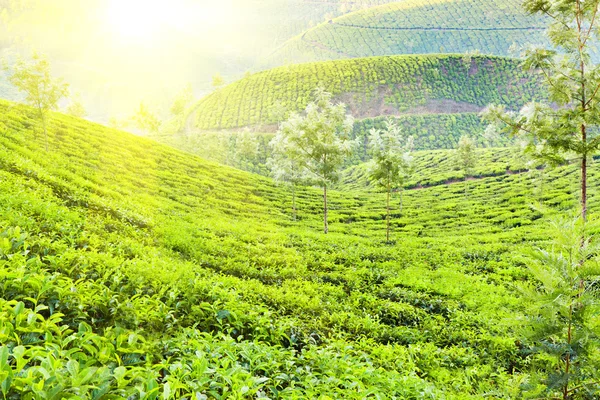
(130, 269)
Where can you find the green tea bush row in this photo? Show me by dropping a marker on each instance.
(405, 82)
(419, 27)
(194, 281)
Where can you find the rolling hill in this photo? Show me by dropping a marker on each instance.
(417, 27)
(128, 268)
(435, 97)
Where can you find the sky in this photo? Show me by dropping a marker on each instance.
(117, 53)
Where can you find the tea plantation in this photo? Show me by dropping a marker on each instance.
(418, 27)
(413, 86)
(131, 270)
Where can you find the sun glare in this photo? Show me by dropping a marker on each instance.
(140, 20)
(137, 19)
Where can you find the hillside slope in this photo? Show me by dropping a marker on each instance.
(371, 87)
(418, 27)
(177, 277)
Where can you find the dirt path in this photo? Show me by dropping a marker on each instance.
(423, 28)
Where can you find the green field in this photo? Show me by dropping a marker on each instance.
(372, 87)
(418, 27)
(132, 270)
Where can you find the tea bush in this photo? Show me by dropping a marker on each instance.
(132, 270)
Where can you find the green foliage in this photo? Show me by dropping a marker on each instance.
(182, 101)
(566, 126)
(561, 326)
(286, 165)
(42, 91)
(146, 120)
(429, 131)
(391, 164)
(432, 131)
(419, 27)
(318, 142)
(465, 156)
(217, 81)
(183, 278)
(372, 87)
(76, 109)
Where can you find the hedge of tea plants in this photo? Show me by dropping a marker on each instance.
(496, 27)
(372, 87)
(132, 270)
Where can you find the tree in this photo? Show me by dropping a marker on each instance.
(146, 120)
(391, 162)
(43, 92)
(180, 106)
(320, 140)
(246, 149)
(567, 126)
(536, 167)
(182, 101)
(115, 123)
(286, 165)
(76, 109)
(561, 325)
(278, 112)
(466, 158)
(217, 81)
(491, 136)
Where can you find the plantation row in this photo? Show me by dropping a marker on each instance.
(418, 27)
(429, 131)
(250, 151)
(179, 278)
(404, 82)
(441, 167)
(462, 14)
(281, 21)
(336, 41)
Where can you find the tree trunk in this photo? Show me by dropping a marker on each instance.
(387, 218)
(541, 187)
(584, 188)
(568, 355)
(401, 200)
(294, 201)
(325, 224)
(45, 132)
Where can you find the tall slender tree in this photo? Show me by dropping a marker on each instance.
(320, 139)
(246, 150)
(42, 90)
(567, 124)
(391, 162)
(466, 159)
(564, 129)
(286, 166)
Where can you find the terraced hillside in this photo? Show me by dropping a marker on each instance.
(437, 96)
(175, 277)
(418, 27)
